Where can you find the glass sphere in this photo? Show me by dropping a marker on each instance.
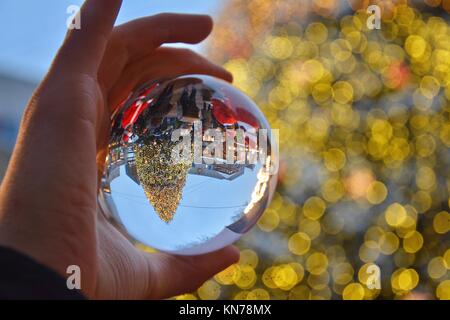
(191, 165)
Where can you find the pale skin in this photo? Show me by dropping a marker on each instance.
(48, 206)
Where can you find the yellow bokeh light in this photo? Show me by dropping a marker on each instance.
(248, 257)
(376, 192)
(310, 227)
(269, 220)
(425, 178)
(244, 277)
(241, 295)
(317, 263)
(299, 243)
(342, 92)
(278, 47)
(314, 208)
(429, 86)
(321, 92)
(415, 46)
(413, 242)
(320, 281)
(285, 277)
(395, 215)
(343, 273)
(447, 258)
(443, 290)
(210, 290)
(312, 70)
(299, 270)
(369, 251)
(374, 233)
(441, 222)
(437, 268)
(268, 278)
(334, 159)
(258, 294)
(301, 292)
(389, 243)
(353, 291)
(421, 201)
(316, 32)
(225, 277)
(333, 190)
(406, 280)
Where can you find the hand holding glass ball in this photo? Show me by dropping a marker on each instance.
(49, 195)
(191, 165)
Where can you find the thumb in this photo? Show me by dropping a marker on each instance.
(83, 48)
(172, 275)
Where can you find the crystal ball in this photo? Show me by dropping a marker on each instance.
(191, 166)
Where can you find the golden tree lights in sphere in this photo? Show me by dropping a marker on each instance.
(364, 136)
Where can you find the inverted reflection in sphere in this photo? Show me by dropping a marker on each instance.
(191, 165)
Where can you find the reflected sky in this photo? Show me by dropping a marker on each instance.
(206, 207)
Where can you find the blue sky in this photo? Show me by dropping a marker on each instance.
(31, 31)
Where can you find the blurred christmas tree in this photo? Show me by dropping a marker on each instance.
(364, 136)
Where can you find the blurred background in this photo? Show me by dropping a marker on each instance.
(363, 114)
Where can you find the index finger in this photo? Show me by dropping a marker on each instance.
(83, 49)
(141, 36)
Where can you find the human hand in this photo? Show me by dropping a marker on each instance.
(48, 198)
